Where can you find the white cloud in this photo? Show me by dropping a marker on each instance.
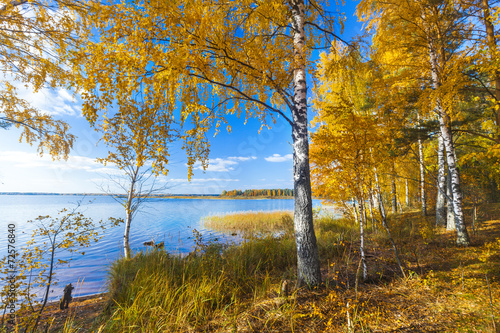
(279, 158)
(49, 101)
(200, 180)
(241, 158)
(223, 164)
(21, 159)
(108, 171)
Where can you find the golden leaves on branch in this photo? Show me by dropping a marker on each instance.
(34, 36)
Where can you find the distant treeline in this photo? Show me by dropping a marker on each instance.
(259, 193)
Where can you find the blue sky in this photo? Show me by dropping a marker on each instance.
(242, 159)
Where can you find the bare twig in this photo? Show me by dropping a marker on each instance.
(357, 277)
(462, 274)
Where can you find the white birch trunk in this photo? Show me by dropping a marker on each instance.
(444, 124)
(423, 196)
(365, 218)
(394, 200)
(129, 212)
(398, 189)
(375, 199)
(356, 210)
(126, 236)
(407, 192)
(307, 249)
(362, 220)
(372, 216)
(441, 185)
(450, 215)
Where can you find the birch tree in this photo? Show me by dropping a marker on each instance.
(450, 214)
(438, 65)
(346, 134)
(202, 60)
(138, 184)
(394, 194)
(129, 139)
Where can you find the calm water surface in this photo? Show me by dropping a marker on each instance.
(168, 220)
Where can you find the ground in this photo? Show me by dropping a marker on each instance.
(83, 311)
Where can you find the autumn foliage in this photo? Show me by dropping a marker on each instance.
(423, 85)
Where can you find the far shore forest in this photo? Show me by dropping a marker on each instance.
(398, 127)
(258, 193)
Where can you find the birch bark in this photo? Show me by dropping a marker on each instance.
(375, 203)
(441, 185)
(356, 210)
(423, 196)
(394, 200)
(365, 217)
(375, 198)
(450, 215)
(129, 212)
(307, 249)
(370, 206)
(407, 192)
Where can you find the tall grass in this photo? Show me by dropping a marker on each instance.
(333, 235)
(207, 290)
(158, 292)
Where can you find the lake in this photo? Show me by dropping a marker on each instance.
(169, 220)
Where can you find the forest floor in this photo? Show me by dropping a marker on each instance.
(446, 288)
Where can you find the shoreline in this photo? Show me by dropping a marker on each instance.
(82, 308)
(166, 196)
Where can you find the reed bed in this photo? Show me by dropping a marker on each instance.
(251, 223)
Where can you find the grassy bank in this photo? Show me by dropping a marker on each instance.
(220, 288)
